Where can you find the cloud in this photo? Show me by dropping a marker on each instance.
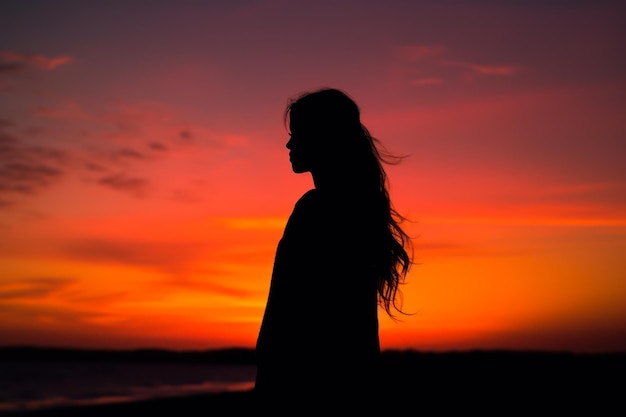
(39, 287)
(124, 153)
(68, 111)
(177, 259)
(10, 68)
(99, 298)
(28, 169)
(166, 256)
(179, 262)
(25, 178)
(186, 134)
(446, 249)
(210, 287)
(122, 147)
(485, 69)
(17, 61)
(127, 128)
(425, 65)
(94, 167)
(137, 186)
(157, 146)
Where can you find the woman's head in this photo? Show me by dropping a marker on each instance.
(328, 112)
(327, 136)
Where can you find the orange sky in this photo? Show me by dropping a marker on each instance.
(144, 181)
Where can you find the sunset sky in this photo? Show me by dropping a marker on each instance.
(145, 183)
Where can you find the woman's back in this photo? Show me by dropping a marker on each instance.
(320, 328)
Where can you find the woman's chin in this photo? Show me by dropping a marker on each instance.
(298, 169)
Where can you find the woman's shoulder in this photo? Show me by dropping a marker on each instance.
(314, 206)
(309, 199)
(335, 200)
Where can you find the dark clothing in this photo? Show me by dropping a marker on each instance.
(318, 342)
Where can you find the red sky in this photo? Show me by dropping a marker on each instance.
(144, 181)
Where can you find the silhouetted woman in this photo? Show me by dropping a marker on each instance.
(342, 255)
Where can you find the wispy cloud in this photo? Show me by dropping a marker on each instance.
(27, 169)
(100, 298)
(209, 287)
(157, 146)
(67, 110)
(94, 167)
(39, 287)
(15, 61)
(484, 69)
(169, 257)
(115, 147)
(178, 261)
(10, 68)
(449, 249)
(427, 65)
(124, 153)
(137, 186)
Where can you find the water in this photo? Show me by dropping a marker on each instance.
(35, 385)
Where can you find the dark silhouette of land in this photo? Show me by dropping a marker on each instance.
(31, 353)
(480, 382)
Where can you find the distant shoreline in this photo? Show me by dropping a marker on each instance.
(246, 355)
(35, 353)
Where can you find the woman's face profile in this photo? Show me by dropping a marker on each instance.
(302, 148)
(299, 153)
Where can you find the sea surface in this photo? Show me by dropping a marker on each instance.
(26, 385)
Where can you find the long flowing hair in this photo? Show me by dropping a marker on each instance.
(334, 118)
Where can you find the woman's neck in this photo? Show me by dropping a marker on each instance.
(341, 182)
(324, 180)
